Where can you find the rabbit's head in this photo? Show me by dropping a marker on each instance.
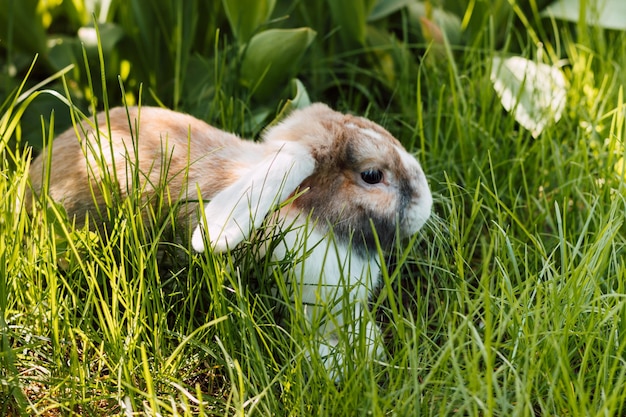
(351, 175)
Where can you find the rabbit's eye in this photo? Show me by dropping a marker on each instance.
(372, 176)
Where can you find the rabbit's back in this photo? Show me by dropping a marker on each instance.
(158, 148)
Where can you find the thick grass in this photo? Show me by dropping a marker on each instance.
(511, 302)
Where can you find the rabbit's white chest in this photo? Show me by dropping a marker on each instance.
(331, 279)
(326, 270)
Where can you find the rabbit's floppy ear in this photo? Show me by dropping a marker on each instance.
(234, 212)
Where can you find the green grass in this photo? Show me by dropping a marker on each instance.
(512, 302)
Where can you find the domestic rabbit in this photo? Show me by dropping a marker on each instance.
(346, 185)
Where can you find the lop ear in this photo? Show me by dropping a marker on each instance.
(234, 212)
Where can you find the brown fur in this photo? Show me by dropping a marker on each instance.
(184, 154)
(212, 158)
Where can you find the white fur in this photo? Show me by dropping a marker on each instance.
(366, 131)
(324, 272)
(234, 212)
(419, 212)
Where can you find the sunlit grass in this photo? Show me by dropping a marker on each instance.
(510, 302)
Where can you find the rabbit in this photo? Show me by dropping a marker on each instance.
(341, 183)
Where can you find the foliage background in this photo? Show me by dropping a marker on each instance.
(193, 55)
(511, 303)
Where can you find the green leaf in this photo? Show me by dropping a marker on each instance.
(382, 47)
(384, 8)
(245, 16)
(534, 92)
(110, 34)
(22, 26)
(271, 59)
(448, 23)
(299, 98)
(351, 17)
(65, 50)
(607, 14)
